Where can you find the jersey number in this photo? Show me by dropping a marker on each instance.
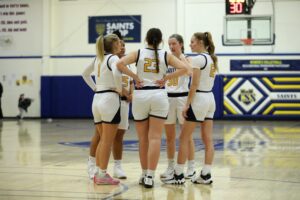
(125, 81)
(173, 82)
(212, 72)
(150, 65)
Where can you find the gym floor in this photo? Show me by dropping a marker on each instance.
(47, 159)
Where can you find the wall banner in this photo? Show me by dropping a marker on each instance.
(262, 96)
(128, 25)
(264, 65)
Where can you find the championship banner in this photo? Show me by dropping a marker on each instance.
(128, 25)
(264, 65)
(266, 96)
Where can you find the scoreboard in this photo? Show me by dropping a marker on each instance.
(236, 7)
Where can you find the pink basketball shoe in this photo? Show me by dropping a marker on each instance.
(105, 180)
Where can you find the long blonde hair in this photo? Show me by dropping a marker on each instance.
(104, 44)
(206, 37)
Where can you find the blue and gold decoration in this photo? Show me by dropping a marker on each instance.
(266, 96)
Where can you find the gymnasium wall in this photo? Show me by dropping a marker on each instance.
(54, 50)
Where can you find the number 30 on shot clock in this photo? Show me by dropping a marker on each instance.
(236, 7)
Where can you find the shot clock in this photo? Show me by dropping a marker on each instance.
(238, 7)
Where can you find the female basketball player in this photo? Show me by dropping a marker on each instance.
(106, 102)
(199, 108)
(177, 89)
(150, 101)
(123, 126)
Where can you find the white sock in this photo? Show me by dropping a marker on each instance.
(150, 173)
(101, 172)
(179, 169)
(92, 159)
(118, 162)
(191, 164)
(206, 169)
(144, 172)
(171, 163)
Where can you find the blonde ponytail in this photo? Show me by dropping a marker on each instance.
(100, 48)
(211, 48)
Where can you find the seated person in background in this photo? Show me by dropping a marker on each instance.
(23, 105)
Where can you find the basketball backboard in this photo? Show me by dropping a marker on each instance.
(258, 28)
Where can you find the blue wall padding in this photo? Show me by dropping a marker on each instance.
(70, 97)
(65, 97)
(218, 94)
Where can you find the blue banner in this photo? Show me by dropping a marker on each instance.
(128, 25)
(265, 65)
(261, 96)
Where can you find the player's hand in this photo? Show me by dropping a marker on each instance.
(161, 82)
(184, 111)
(129, 98)
(138, 82)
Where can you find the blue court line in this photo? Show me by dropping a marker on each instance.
(21, 57)
(132, 145)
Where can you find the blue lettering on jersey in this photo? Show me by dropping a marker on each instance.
(170, 70)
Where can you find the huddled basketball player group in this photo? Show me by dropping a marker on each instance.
(164, 87)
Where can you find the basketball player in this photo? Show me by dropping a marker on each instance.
(106, 102)
(117, 150)
(150, 101)
(199, 108)
(177, 89)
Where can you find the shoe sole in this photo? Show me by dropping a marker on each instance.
(120, 177)
(203, 183)
(107, 183)
(148, 186)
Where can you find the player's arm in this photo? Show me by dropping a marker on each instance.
(86, 75)
(127, 60)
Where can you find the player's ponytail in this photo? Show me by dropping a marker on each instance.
(154, 38)
(100, 48)
(211, 48)
(209, 45)
(156, 54)
(105, 44)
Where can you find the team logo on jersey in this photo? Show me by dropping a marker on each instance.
(247, 96)
(100, 28)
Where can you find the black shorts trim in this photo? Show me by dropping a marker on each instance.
(150, 88)
(104, 91)
(201, 91)
(178, 94)
(96, 123)
(140, 120)
(190, 115)
(206, 118)
(123, 98)
(158, 116)
(190, 120)
(116, 119)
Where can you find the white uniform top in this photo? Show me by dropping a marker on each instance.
(177, 85)
(126, 80)
(103, 73)
(205, 63)
(146, 66)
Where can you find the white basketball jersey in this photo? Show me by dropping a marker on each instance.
(178, 84)
(146, 66)
(208, 71)
(103, 72)
(126, 80)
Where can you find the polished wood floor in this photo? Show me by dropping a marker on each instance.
(42, 159)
